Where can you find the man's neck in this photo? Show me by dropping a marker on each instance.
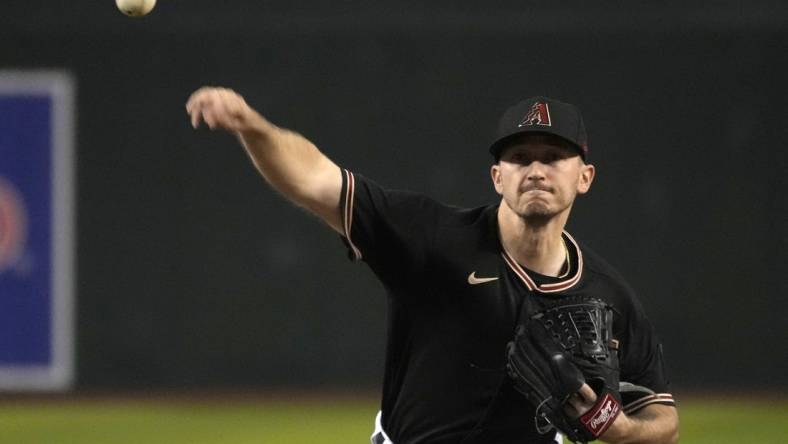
(537, 245)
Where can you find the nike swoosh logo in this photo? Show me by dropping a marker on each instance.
(473, 280)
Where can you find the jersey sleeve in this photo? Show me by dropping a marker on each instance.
(643, 377)
(391, 230)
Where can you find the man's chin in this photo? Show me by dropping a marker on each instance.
(537, 214)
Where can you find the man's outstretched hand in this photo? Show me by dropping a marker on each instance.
(222, 108)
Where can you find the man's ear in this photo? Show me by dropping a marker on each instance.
(495, 174)
(587, 174)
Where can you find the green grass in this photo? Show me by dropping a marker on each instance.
(203, 422)
(741, 421)
(216, 421)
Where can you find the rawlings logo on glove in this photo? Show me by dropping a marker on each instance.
(598, 420)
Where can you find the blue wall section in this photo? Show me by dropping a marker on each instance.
(25, 294)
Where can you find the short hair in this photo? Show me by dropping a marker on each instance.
(548, 138)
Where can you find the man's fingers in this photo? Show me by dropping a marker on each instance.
(195, 117)
(582, 401)
(577, 405)
(207, 108)
(587, 393)
(209, 117)
(195, 98)
(195, 106)
(217, 107)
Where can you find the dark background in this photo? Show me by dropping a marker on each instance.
(192, 273)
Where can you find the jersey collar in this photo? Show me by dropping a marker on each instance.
(553, 287)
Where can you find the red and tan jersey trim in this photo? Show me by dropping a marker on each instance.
(657, 398)
(547, 288)
(347, 215)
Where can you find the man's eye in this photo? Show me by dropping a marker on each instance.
(552, 158)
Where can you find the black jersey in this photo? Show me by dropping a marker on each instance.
(454, 299)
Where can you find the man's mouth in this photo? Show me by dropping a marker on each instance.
(537, 188)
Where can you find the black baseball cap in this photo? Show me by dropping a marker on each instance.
(542, 115)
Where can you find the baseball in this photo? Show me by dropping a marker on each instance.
(135, 8)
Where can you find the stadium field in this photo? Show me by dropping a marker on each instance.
(307, 420)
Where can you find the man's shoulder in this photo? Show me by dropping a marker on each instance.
(605, 281)
(445, 215)
(601, 272)
(419, 204)
(458, 216)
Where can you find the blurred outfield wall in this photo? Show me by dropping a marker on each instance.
(192, 273)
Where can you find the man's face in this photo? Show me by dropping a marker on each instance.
(539, 176)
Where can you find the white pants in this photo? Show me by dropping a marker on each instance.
(379, 433)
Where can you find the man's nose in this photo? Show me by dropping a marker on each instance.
(535, 170)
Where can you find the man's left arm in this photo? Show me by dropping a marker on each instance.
(649, 414)
(653, 424)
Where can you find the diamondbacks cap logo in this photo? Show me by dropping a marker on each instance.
(13, 225)
(538, 115)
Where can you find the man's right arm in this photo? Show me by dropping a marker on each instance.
(288, 161)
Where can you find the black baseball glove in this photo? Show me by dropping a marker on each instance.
(558, 349)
